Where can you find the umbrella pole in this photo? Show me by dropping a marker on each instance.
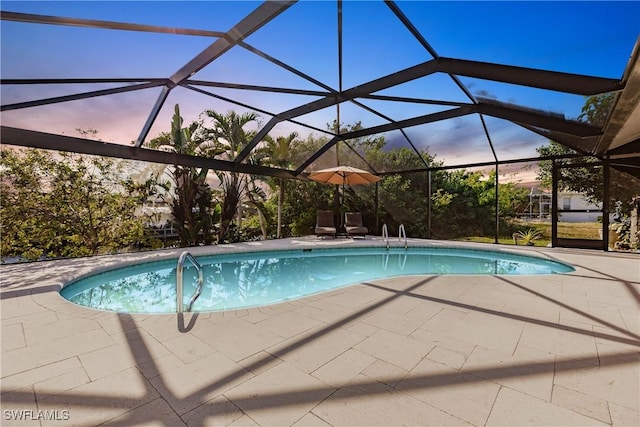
(336, 203)
(342, 206)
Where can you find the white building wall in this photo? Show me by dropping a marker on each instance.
(577, 201)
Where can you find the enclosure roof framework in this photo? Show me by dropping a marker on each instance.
(386, 105)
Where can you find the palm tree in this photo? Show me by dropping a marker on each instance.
(229, 137)
(191, 204)
(278, 153)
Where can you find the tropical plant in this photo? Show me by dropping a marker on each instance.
(191, 200)
(229, 137)
(277, 152)
(529, 236)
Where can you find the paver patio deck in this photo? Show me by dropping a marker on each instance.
(556, 350)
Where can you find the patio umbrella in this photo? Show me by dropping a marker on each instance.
(344, 175)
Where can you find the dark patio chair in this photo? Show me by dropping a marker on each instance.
(325, 225)
(353, 225)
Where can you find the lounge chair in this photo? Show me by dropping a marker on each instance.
(353, 224)
(325, 225)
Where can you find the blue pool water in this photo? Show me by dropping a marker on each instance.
(261, 278)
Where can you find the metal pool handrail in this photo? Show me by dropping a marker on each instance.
(385, 234)
(402, 232)
(179, 282)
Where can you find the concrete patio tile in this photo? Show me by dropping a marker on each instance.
(272, 310)
(527, 370)
(581, 403)
(188, 347)
(26, 358)
(37, 334)
(538, 310)
(238, 313)
(313, 349)
(424, 311)
(576, 313)
(393, 321)
(108, 360)
(243, 421)
(617, 295)
(353, 298)
(491, 331)
(625, 289)
(477, 328)
(289, 324)
(621, 416)
(270, 401)
(446, 357)
(447, 287)
(384, 345)
(385, 373)
(259, 362)
(64, 382)
(161, 331)
(513, 408)
(311, 420)
(117, 325)
(12, 337)
(343, 368)
(142, 345)
(99, 401)
(505, 299)
(160, 364)
(446, 320)
(631, 319)
(607, 314)
(596, 289)
(40, 373)
(43, 317)
(329, 314)
(155, 413)
(609, 341)
(238, 339)
(216, 412)
(539, 336)
(457, 393)
(617, 380)
(366, 403)
(189, 386)
(362, 328)
(573, 339)
(402, 303)
(443, 341)
(19, 307)
(254, 316)
(492, 304)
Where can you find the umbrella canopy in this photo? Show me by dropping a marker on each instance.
(344, 175)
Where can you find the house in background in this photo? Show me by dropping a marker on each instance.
(581, 210)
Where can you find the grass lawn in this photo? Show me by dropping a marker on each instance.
(566, 230)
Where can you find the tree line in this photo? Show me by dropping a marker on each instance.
(68, 205)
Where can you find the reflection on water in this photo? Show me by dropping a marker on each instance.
(248, 280)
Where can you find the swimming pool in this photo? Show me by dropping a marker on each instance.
(242, 280)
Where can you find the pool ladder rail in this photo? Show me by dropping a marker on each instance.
(179, 281)
(401, 233)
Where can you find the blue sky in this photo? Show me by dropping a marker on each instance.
(593, 38)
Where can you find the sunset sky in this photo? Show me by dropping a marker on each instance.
(593, 38)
